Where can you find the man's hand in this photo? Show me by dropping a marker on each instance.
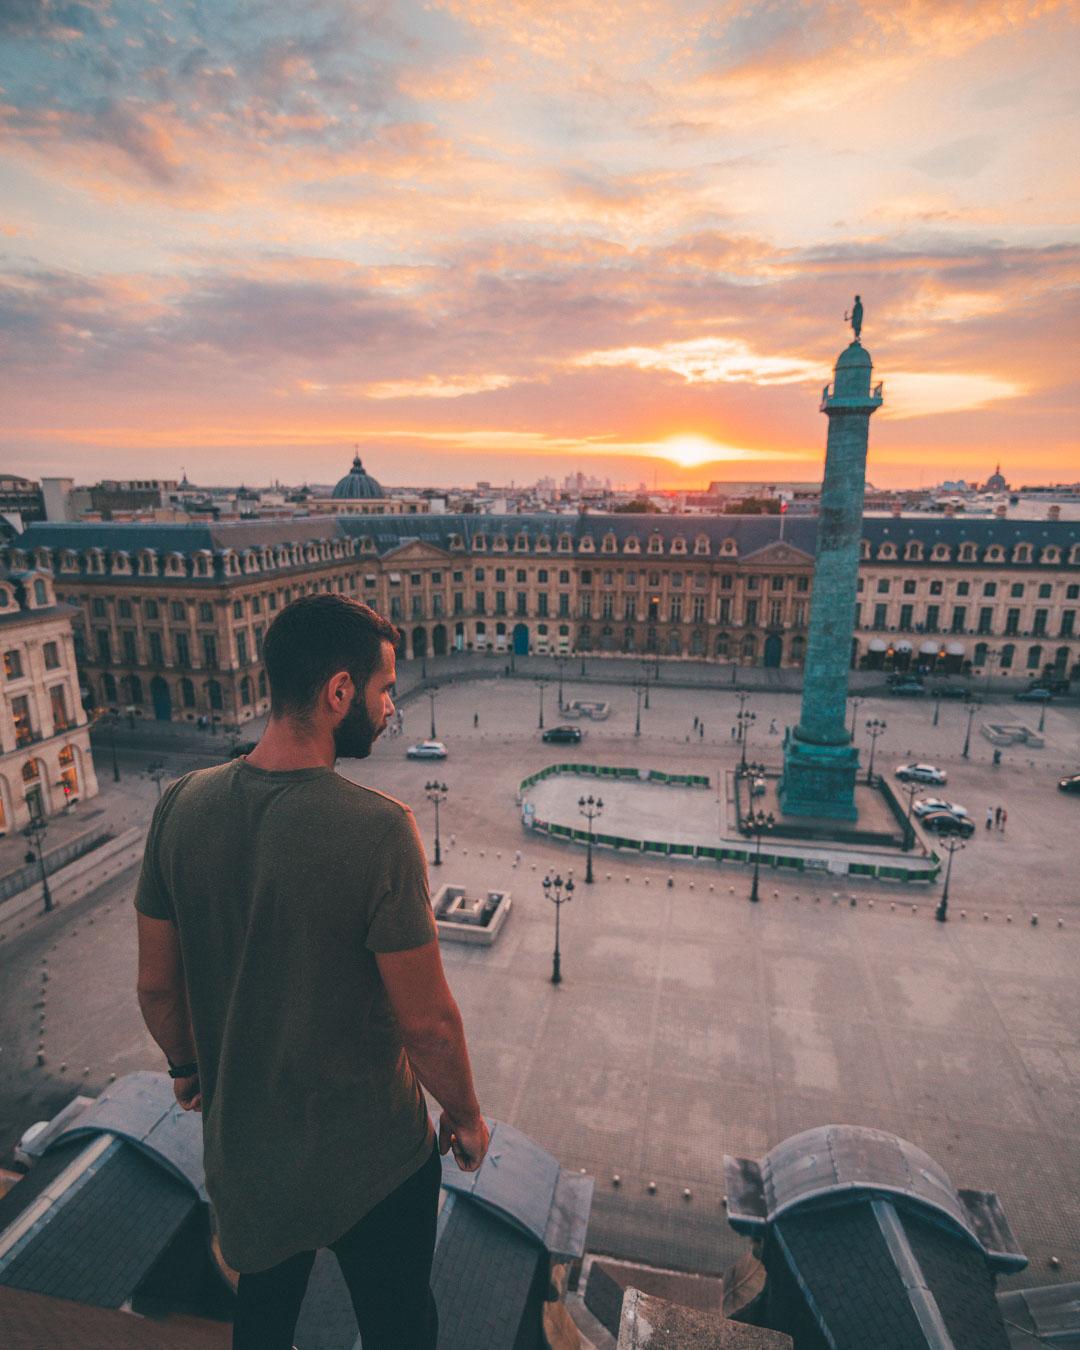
(469, 1141)
(189, 1094)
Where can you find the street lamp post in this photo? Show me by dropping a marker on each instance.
(646, 671)
(560, 662)
(559, 893)
(590, 807)
(856, 704)
(874, 727)
(35, 831)
(541, 686)
(436, 793)
(431, 696)
(1042, 714)
(971, 710)
(639, 689)
(952, 844)
(909, 830)
(757, 823)
(156, 770)
(745, 718)
(937, 707)
(114, 717)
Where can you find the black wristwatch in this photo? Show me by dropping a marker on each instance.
(182, 1070)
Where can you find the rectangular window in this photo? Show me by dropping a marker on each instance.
(1039, 625)
(630, 607)
(986, 619)
(58, 700)
(880, 613)
(238, 609)
(1016, 590)
(776, 613)
(416, 606)
(97, 607)
(798, 614)
(51, 652)
(500, 574)
(500, 601)
(751, 613)
(458, 578)
(206, 612)
(521, 577)
(127, 644)
(631, 578)
(907, 614)
(478, 574)
(802, 585)
(542, 604)
(157, 651)
(183, 649)
(1072, 592)
(1012, 621)
(586, 605)
(209, 647)
(415, 579)
(990, 588)
(564, 578)
(1045, 591)
(883, 586)
(909, 588)
(675, 608)
(256, 604)
(260, 633)
(436, 578)
(395, 606)
(104, 646)
(459, 602)
(20, 715)
(1068, 621)
(521, 601)
(933, 618)
(963, 588)
(858, 616)
(479, 605)
(271, 600)
(437, 606)
(586, 577)
(752, 582)
(178, 610)
(123, 608)
(699, 609)
(242, 647)
(936, 588)
(13, 665)
(778, 583)
(727, 581)
(724, 613)
(607, 607)
(959, 618)
(564, 605)
(150, 609)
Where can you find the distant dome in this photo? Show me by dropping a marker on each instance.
(996, 483)
(357, 484)
(855, 354)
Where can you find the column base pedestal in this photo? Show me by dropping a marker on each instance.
(819, 780)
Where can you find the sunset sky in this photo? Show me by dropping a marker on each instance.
(504, 238)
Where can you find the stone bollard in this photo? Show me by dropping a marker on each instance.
(1034, 921)
(652, 1187)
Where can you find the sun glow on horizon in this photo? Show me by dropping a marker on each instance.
(688, 451)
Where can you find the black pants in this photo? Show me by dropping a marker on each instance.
(386, 1262)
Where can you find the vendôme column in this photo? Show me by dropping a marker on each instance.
(820, 763)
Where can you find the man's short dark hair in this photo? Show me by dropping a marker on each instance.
(312, 639)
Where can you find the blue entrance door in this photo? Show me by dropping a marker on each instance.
(521, 639)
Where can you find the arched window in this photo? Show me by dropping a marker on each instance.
(979, 659)
(245, 690)
(1008, 652)
(187, 693)
(721, 646)
(41, 595)
(213, 694)
(1034, 658)
(108, 687)
(749, 647)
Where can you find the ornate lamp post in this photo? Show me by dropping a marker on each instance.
(431, 696)
(156, 770)
(646, 671)
(590, 807)
(559, 893)
(937, 707)
(639, 689)
(113, 718)
(1042, 714)
(951, 844)
(971, 709)
(560, 663)
(436, 793)
(35, 831)
(745, 719)
(757, 823)
(541, 685)
(874, 727)
(856, 704)
(909, 831)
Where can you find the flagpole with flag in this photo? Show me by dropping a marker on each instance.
(783, 513)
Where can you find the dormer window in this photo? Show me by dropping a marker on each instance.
(887, 552)
(1022, 553)
(940, 553)
(121, 563)
(367, 544)
(632, 544)
(479, 543)
(543, 543)
(656, 544)
(864, 549)
(204, 563)
(174, 565)
(43, 559)
(521, 543)
(1074, 555)
(1050, 554)
(995, 553)
(456, 541)
(913, 551)
(566, 544)
(609, 544)
(728, 547)
(701, 545)
(499, 544)
(148, 563)
(678, 544)
(251, 561)
(967, 552)
(69, 561)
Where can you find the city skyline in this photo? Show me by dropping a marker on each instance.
(480, 247)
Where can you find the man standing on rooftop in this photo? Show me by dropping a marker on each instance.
(289, 969)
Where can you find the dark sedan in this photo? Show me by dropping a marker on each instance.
(944, 822)
(1036, 695)
(566, 735)
(1070, 784)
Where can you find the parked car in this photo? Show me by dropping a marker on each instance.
(912, 688)
(1037, 694)
(571, 735)
(758, 787)
(950, 691)
(426, 750)
(921, 773)
(944, 822)
(1070, 784)
(926, 806)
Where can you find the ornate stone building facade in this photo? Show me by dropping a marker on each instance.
(171, 617)
(45, 762)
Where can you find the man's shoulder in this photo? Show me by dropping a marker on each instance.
(379, 808)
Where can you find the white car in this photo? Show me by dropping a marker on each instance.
(426, 750)
(925, 805)
(921, 773)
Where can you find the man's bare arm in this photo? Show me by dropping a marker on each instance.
(163, 1001)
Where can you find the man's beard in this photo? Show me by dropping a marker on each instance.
(355, 734)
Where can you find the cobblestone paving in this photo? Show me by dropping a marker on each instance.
(690, 1024)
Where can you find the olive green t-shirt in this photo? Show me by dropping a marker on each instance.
(282, 887)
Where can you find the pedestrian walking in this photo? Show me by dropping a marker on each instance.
(476, 719)
(701, 731)
(300, 933)
(695, 723)
(1004, 818)
(997, 817)
(734, 732)
(989, 818)
(772, 726)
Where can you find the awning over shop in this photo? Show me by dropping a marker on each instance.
(875, 645)
(928, 649)
(955, 649)
(902, 647)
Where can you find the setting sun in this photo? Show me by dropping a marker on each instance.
(689, 451)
